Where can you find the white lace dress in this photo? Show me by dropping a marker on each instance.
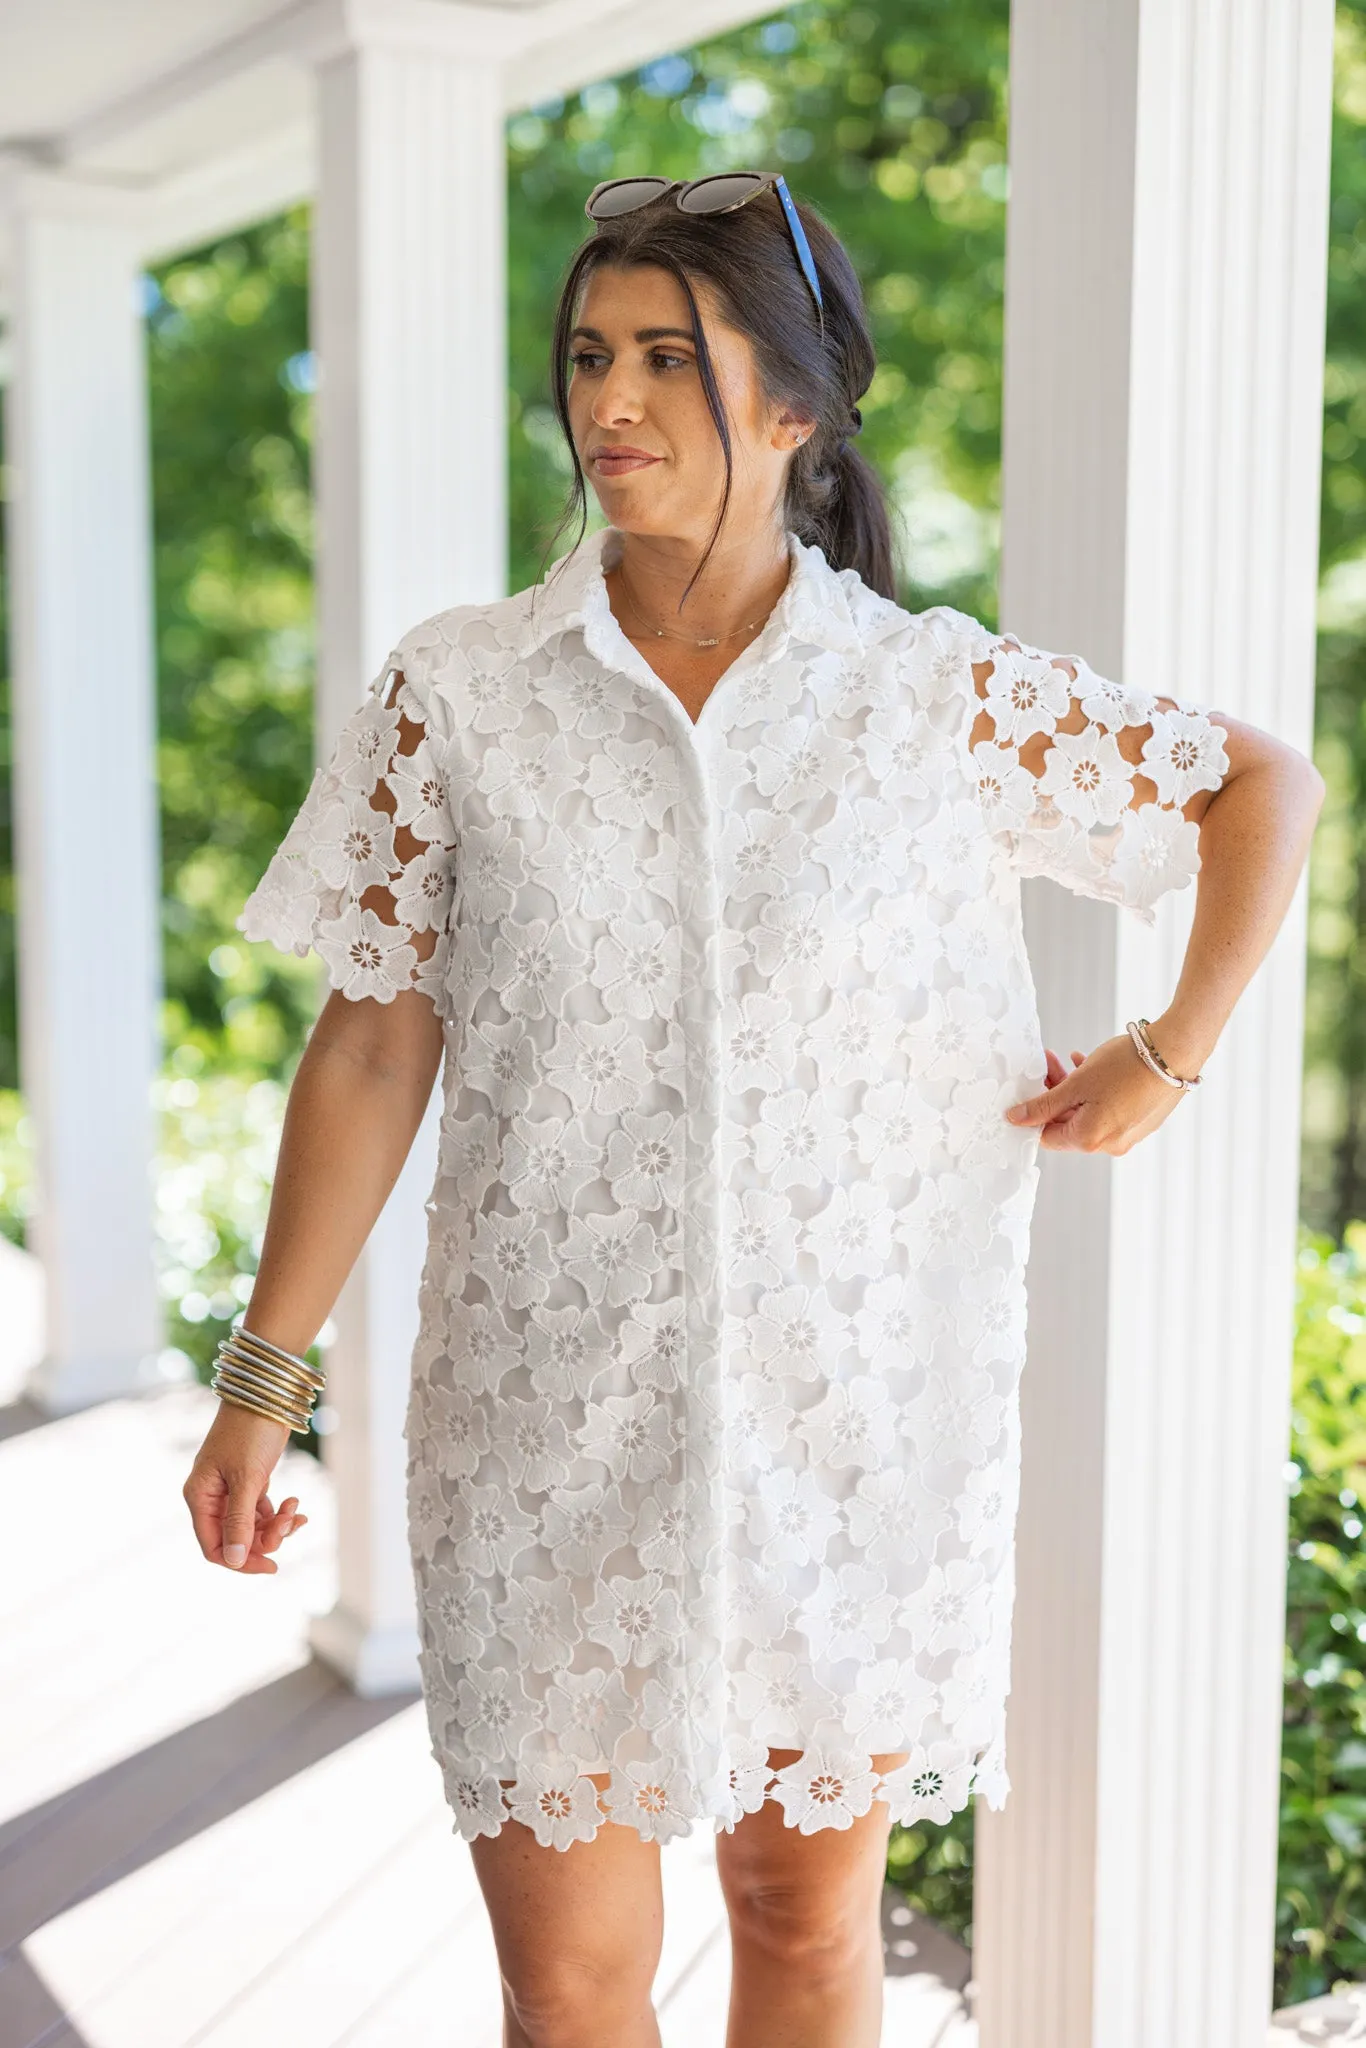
(713, 1436)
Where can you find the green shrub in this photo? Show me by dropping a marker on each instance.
(1321, 1908)
(16, 1167)
(219, 1137)
(933, 1867)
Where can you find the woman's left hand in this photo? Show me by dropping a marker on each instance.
(1106, 1103)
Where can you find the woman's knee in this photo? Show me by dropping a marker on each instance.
(578, 1934)
(572, 2001)
(809, 1902)
(821, 1931)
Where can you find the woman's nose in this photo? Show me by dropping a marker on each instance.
(616, 403)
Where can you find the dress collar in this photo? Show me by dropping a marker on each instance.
(817, 606)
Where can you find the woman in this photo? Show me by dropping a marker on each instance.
(700, 863)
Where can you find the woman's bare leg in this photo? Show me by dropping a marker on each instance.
(578, 1933)
(806, 1926)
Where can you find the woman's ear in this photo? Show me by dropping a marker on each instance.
(792, 430)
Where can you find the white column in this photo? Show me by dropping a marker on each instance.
(84, 782)
(410, 330)
(1164, 349)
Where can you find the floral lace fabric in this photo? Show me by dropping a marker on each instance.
(713, 1433)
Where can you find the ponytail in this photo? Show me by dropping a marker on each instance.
(835, 501)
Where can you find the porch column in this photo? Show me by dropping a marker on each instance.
(79, 537)
(410, 330)
(1164, 351)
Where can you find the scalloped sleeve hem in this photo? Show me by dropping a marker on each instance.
(365, 875)
(1075, 813)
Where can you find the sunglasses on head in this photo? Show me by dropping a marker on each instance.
(720, 193)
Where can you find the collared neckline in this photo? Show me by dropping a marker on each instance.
(814, 606)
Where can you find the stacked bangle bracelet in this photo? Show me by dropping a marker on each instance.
(254, 1374)
(1140, 1032)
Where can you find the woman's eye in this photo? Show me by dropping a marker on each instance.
(588, 359)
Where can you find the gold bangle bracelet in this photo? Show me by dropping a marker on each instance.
(229, 1383)
(256, 1408)
(298, 1396)
(272, 1375)
(265, 1390)
(274, 1355)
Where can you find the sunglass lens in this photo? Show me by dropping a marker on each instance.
(714, 195)
(625, 196)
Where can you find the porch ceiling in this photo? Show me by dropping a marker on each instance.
(65, 59)
(156, 91)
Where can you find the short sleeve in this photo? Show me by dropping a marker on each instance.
(365, 876)
(1085, 780)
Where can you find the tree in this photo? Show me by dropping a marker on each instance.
(1333, 1191)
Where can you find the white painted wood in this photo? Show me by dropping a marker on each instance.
(695, 1951)
(409, 304)
(186, 153)
(457, 1972)
(1164, 346)
(1339, 2017)
(85, 812)
(567, 42)
(208, 200)
(196, 1970)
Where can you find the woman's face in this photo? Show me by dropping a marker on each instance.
(642, 426)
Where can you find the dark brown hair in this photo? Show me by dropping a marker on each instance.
(834, 497)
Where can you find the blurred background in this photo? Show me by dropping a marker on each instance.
(890, 117)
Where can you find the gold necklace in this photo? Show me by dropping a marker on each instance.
(659, 632)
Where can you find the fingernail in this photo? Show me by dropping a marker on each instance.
(1016, 1113)
(234, 1554)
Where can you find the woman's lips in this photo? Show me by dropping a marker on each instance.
(617, 461)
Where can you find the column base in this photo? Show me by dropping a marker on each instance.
(375, 1662)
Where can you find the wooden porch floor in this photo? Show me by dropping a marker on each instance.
(207, 1842)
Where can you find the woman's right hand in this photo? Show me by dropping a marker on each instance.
(226, 1491)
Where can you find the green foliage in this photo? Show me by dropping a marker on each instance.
(933, 1867)
(1344, 483)
(16, 1167)
(1321, 1914)
(1334, 1149)
(230, 382)
(215, 1159)
(219, 1137)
